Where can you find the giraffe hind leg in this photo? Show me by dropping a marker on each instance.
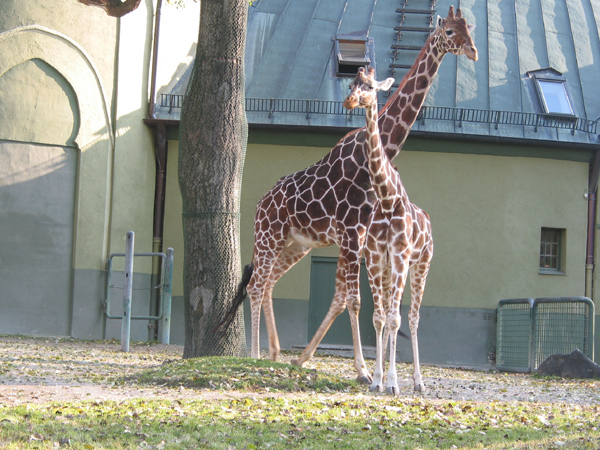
(288, 257)
(258, 289)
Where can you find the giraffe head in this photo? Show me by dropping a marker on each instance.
(364, 88)
(454, 35)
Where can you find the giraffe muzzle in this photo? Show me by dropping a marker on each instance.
(471, 52)
(351, 102)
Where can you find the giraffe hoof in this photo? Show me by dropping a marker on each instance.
(419, 387)
(392, 390)
(296, 362)
(376, 388)
(364, 379)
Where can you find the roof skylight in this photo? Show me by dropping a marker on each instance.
(352, 52)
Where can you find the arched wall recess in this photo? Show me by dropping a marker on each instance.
(72, 61)
(95, 137)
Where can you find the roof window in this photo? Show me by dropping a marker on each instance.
(552, 92)
(554, 96)
(352, 52)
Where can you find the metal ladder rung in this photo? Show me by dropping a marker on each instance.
(405, 47)
(415, 11)
(423, 29)
(400, 66)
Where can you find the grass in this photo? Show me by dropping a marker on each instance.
(259, 404)
(244, 374)
(307, 422)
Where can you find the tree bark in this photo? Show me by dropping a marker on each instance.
(213, 136)
(114, 8)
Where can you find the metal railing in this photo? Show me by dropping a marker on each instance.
(441, 113)
(164, 288)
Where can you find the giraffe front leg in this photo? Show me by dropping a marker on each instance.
(393, 324)
(376, 262)
(414, 325)
(346, 275)
(352, 275)
(378, 323)
(399, 274)
(363, 376)
(418, 277)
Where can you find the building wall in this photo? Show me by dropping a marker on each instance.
(487, 212)
(78, 162)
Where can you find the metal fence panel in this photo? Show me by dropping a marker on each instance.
(529, 331)
(562, 325)
(513, 335)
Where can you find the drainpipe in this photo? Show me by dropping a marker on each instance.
(160, 146)
(591, 227)
(152, 102)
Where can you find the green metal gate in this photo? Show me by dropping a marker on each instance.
(529, 331)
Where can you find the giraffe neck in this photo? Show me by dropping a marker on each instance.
(401, 110)
(384, 177)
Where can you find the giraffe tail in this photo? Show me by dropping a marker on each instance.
(403, 334)
(237, 300)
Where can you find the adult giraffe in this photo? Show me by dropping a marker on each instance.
(398, 239)
(331, 201)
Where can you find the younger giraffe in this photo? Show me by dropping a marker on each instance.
(399, 237)
(331, 202)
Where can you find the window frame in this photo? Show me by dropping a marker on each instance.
(347, 60)
(552, 76)
(556, 251)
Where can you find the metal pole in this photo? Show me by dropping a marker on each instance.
(127, 291)
(165, 328)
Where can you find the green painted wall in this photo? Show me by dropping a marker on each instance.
(68, 81)
(487, 212)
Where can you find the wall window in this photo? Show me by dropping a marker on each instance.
(552, 251)
(352, 52)
(552, 92)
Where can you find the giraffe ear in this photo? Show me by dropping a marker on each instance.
(471, 28)
(386, 85)
(439, 22)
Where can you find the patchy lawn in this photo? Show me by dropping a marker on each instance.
(80, 394)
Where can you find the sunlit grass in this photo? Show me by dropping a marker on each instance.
(307, 422)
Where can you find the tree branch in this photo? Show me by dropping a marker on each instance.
(114, 8)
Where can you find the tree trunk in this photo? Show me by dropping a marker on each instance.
(213, 136)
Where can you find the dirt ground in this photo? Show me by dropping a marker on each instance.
(49, 370)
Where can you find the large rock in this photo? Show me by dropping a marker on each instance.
(573, 365)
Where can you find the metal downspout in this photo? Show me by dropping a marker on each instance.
(152, 102)
(591, 227)
(160, 146)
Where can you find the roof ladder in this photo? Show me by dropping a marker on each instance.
(413, 23)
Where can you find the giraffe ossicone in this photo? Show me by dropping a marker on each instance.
(331, 202)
